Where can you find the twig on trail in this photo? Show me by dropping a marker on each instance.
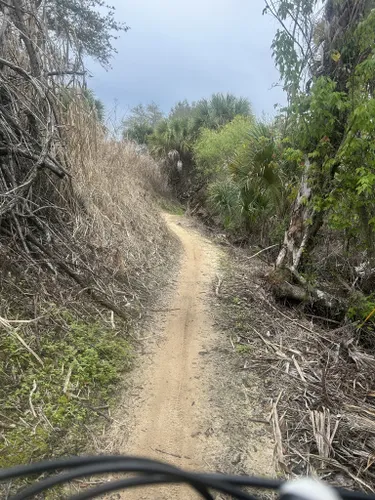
(322, 318)
(170, 454)
(278, 451)
(298, 368)
(30, 399)
(67, 379)
(275, 348)
(260, 421)
(279, 397)
(217, 289)
(165, 309)
(321, 426)
(102, 414)
(19, 321)
(7, 426)
(261, 251)
(195, 209)
(276, 403)
(6, 324)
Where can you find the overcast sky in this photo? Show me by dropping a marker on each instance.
(179, 49)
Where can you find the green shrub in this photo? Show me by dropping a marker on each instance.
(215, 149)
(361, 307)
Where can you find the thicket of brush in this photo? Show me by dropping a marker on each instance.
(82, 245)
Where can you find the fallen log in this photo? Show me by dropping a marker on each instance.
(291, 286)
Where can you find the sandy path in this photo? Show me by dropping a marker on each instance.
(170, 417)
(184, 404)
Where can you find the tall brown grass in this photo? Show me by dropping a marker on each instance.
(117, 189)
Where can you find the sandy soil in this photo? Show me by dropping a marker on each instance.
(172, 412)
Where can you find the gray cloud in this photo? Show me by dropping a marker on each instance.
(190, 49)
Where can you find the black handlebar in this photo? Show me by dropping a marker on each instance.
(151, 472)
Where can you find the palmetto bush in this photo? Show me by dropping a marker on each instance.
(257, 169)
(249, 190)
(224, 199)
(169, 135)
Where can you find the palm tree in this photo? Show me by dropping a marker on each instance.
(180, 130)
(171, 135)
(219, 110)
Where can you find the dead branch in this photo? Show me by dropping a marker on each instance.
(67, 379)
(278, 450)
(217, 289)
(30, 399)
(6, 324)
(171, 454)
(263, 250)
(16, 68)
(66, 72)
(45, 162)
(87, 288)
(19, 21)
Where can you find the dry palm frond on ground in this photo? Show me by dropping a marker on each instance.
(319, 381)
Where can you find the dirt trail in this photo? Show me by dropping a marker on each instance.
(167, 421)
(168, 414)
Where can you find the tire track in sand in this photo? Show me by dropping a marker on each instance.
(170, 418)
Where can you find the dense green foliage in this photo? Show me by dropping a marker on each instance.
(215, 148)
(312, 170)
(218, 110)
(174, 133)
(330, 123)
(179, 130)
(245, 183)
(230, 157)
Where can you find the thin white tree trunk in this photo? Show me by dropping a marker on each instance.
(301, 228)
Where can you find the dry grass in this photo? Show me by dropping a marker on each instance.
(320, 382)
(98, 257)
(83, 249)
(117, 190)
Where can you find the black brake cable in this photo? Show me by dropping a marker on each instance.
(123, 484)
(63, 463)
(73, 462)
(131, 466)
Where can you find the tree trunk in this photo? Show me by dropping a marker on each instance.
(25, 34)
(305, 223)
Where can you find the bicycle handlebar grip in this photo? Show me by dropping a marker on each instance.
(307, 489)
